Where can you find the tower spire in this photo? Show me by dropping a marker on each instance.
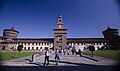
(60, 15)
(60, 22)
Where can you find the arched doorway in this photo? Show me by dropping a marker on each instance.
(3, 48)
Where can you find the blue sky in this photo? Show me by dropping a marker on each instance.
(38, 18)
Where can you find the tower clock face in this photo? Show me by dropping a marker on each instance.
(60, 26)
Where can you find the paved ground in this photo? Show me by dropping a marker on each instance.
(66, 63)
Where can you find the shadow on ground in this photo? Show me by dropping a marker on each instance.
(80, 67)
(91, 58)
(59, 68)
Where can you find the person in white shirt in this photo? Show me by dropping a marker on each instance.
(47, 54)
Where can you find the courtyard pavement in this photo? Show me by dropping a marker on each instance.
(67, 62)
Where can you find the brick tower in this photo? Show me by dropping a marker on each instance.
(60, 40)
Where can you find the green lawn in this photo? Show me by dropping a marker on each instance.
(112, 54)
(9, 55)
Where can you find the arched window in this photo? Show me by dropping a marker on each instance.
(24, 48)
(32, 48)
(81, 43)
(28, 43)
(97, 43)
(36, 48)
(3, 48)
(28, 48)
(40, 47)
(32, 43)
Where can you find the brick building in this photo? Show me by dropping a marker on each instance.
(9, 40)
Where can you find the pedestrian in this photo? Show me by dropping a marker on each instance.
(56, 57)
(59, 51)
(68, 51)
(64, 51)
(73, 50)
(47, 54)
(79, 51)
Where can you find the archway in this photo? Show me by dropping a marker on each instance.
(3, 48)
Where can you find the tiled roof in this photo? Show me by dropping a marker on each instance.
(110, 29)
(11, 29)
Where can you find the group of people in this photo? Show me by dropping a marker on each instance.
(47, 55)
(56, 55)
(73, 50)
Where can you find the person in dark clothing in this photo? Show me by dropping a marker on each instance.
(67, 51)
(64, 51)
(73, 50)
(59, 51)
(47, 54)
(56, 57)
(79, 51)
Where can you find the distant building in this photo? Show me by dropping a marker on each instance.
(113, 37)
(10, 34)
(110, 33)
(9, 40)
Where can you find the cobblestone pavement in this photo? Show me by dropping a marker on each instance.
(67, 62)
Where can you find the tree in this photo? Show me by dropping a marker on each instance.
(19, 48)
(91, 48)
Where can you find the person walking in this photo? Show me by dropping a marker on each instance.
(47, 54)
(64, 51)
(59, 50)
(56, 57)
(73, 50)
(79, 51)
(67, 51)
